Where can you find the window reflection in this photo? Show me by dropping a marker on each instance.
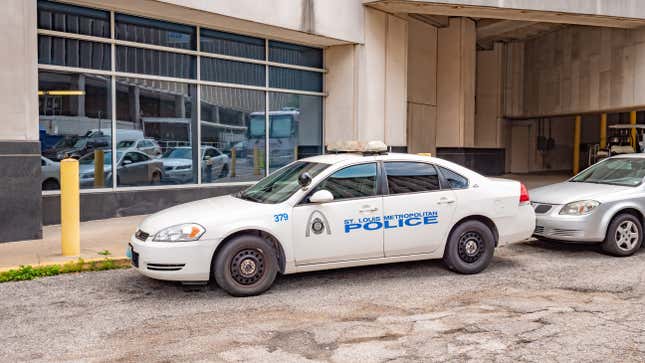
(213, 41)
(154, 62)
(156, 126)
(157, 32)
(296, 127)
(74, 120)
(232, 138)
(73, 19)
(73, 53)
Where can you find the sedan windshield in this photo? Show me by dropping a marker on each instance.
(627, 172)
(279, 186)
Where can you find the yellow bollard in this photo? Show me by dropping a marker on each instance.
(576, 145)
(233, 161)
(70, 208)
(99, 171)
(256, 163)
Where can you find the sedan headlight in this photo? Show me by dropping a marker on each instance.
(579, 208)
(180, 233)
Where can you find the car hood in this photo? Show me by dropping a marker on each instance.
(214, 214)
(567, 192)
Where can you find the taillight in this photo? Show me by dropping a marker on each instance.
(524, 194)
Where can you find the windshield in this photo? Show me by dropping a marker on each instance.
(80, 143)
(279, 186)
(124, 144)
(627, 172)
(107, 158)
(180, 153)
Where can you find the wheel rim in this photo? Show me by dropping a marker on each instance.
(247, 266)
(627, 236)
(470, 247)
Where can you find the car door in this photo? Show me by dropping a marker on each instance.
(417, 212)
(135, 173)
(347, 228)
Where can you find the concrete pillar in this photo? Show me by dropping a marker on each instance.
(20, 191)
(79, 101)
(367, 84)
(180, 106)
(456, 84)
(134, 106)
(489, 97)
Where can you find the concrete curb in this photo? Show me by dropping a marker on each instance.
(118, 260)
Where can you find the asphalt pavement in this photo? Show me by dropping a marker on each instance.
(537, 302)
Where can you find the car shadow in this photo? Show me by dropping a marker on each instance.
(567, 247)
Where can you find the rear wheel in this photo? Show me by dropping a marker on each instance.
(224, 172)
(51, 184)
(470, 248)
(245, 266)
(156, 178)
(624, 235)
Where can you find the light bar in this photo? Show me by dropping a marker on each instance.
(62, 93)
(357, 146)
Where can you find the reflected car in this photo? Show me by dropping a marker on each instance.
(50, 174)
(146, 146)
(178, 164)
(84, 146)
(133, 168)
(63, 144)
(334, 211)
(603, 204)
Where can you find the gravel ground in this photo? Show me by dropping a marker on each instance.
(536, 302)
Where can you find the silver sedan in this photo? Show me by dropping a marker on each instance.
(603, 204)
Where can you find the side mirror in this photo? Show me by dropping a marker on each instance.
(127, 162)
(304, 179)
(321, 196)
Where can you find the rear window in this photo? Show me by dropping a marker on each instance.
(454, 180)
(411, 177)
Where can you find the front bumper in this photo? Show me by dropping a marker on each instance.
(174, 261)
(587, 228)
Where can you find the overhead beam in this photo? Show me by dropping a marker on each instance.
(434, 20)
(422, 7)
(501, 27)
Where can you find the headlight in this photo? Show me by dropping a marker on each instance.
(180, 233)
(579, 208)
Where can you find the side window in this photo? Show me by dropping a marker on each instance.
(455, 181)
(136, 157)
(410, 177)
(355, 181)
(210, 152)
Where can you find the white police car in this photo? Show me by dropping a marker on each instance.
(331, 211)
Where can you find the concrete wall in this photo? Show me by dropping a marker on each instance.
(489, 122)
(367, 85)
(456, 66)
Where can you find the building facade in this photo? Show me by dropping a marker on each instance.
(167, 101)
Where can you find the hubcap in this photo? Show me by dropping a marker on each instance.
(247, 266)
(470, 247)
(627, 236)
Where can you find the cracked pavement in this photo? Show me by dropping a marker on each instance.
(537, 301)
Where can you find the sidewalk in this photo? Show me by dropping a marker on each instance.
(106, 234)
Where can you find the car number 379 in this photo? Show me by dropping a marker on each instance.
(282, 217)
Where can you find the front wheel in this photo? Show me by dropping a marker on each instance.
(245, 266)
(624, 236)
(470, 248)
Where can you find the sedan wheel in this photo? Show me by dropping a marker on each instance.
(624, 235)
(470, 247)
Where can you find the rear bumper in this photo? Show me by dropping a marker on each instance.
(518, 227)
(174, 261)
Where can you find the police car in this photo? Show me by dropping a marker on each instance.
(336, 210)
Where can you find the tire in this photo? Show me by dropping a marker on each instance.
(224, 172)
(156, 178)
(51, 184)
(624, 235)
(470, 248)
(248, 252)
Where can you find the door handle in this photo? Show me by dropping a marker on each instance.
(444, 201)
(368, 210)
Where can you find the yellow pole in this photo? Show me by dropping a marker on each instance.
(99, 171)
(233, 161)
(603, 131)
(70, 208)
(632, 120)
(295, 152)
(256, 163)
(576, 145)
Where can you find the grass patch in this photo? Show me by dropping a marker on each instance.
(33, 272)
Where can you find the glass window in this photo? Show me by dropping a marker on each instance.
(157, 32)
(163, 112)
(296, 127)
(295, 54)
(230, 125)
(279, 186)
(213, 41)
(154, 62)
(74, 120)
(73, 19)
(295, 79)
(355, 181)
(627, 172)
(409, 177)
(73, 53)
(454, 180)
(220, 70)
